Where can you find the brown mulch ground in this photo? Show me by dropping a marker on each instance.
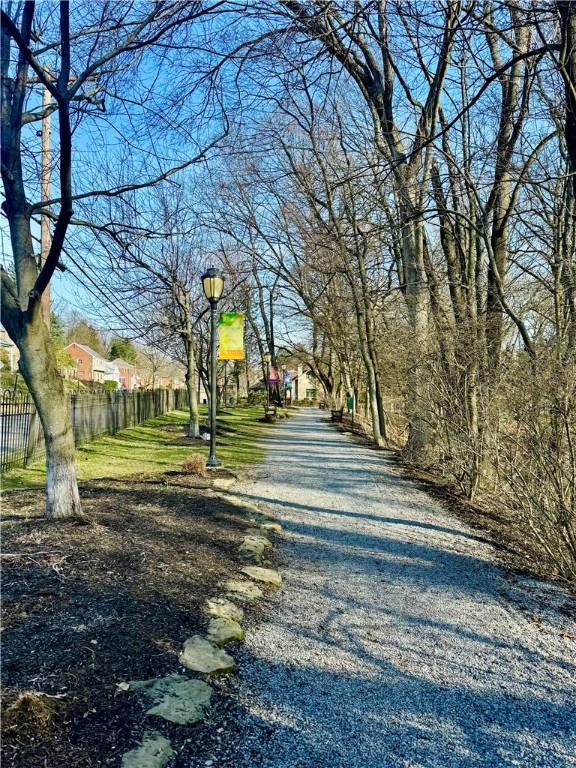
(86, 607)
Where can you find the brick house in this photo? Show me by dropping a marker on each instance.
(127, 374)
(90, 366)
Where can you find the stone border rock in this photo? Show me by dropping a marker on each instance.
(182, 699)
(223, 630)
(222, 607)
(154, 751)
(200, 655)
(246, 591)
(176, 698)
(267, 576)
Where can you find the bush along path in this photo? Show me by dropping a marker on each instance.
(185, 696)
(396, 641)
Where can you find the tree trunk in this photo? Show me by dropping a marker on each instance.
(376, 398)
(247, 377)
(371, 373)
(373, 401)
(567, 66)
(40, 372)
(416, 296)
(193, 418)
(381, 414)
(236, 375)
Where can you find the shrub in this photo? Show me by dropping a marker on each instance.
(195, 464)
(256, 397)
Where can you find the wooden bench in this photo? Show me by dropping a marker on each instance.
(337, 414)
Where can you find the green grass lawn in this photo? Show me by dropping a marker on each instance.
(149, 448)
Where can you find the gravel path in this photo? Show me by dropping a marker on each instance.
(396, 640)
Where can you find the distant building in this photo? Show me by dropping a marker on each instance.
(304, 387)
(127, 374)
(10, 350)
(90, 365)
(112, 374)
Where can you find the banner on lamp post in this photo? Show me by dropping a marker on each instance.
(231, 332)
(288, 380)
(274, 376)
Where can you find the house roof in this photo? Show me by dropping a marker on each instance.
(121, 363)
(96, 355)
(87, 349)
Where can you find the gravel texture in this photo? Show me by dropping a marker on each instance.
(396, 639)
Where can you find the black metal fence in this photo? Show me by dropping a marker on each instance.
(17, 428)
(21, 436)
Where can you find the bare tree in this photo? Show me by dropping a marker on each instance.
(86, 44)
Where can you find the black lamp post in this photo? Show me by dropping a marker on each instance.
(213, 285)
(267, 359)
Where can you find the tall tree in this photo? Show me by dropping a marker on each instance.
(124, 349)
(359, 38)
(89, 43)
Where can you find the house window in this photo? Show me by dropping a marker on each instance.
(310, 394)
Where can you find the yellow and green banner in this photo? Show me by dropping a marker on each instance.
(231, 328)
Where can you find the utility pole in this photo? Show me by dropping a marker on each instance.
(46, 187)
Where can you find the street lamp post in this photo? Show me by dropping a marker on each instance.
(267, 359)
(213, 285)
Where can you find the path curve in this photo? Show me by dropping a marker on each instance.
(396, 639)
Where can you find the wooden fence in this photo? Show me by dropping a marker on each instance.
(105, 413)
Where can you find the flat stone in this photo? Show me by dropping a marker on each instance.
(270, 526)
(223, 630)
(176, 698)
(265, 523)
(252, 549)
(243, 590)
(246, 556)
(266, 575)
(202, 656)
(257, 517)
(256, 534)
(252, 546)
(154, 751)
(221, 607)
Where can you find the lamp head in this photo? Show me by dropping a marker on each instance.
(267, 358)
(213, 284)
